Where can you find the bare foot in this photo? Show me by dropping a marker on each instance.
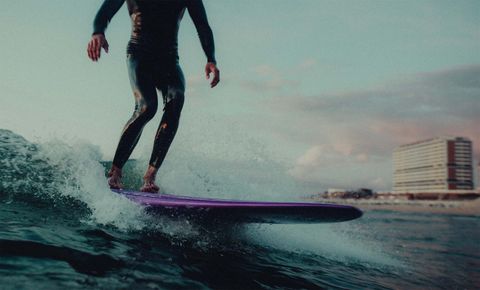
(149, 180)
(150, 187)
(115, 177)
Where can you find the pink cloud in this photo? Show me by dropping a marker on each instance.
(376, 120)
(359, 130)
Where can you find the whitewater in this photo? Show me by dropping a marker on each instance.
(61, 226)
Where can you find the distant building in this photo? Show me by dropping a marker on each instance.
(356, 194)
(478, 177)
(335, 190)
(443, 164)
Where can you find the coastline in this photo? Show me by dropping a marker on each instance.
(464, 208)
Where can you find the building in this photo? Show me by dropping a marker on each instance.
(443, 164)
(478, 177)
(342, 193)
(335, 190)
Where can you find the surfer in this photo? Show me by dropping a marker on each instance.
(152, 62)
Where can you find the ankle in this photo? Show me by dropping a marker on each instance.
(115, 171)
(150, 174)
(149, 178)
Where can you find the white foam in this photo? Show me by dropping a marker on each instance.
(189, 173)
(82, 178)
(79, 175)
(212, 158)
(326, 240)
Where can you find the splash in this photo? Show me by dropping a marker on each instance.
(57, 172)
(208, 160)
(326, 240)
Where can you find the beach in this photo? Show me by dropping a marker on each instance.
(465, 208)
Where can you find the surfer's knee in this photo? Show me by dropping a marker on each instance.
(174, 105)
(147, 110)
(174, 98)
(171, 117)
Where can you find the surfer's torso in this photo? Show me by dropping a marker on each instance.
(155, 25)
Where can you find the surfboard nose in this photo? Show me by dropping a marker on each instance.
(342, 213)
(356, 213)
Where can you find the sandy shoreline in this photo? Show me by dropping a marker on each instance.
(467, 208)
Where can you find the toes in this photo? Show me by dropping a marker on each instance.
(150, 189)
(114, 184)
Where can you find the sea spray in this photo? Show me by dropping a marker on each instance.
(209, 158)
(56, 171)
(64, 174)
(326, 240)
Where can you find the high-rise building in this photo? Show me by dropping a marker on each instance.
(442, 164)
(478, 177)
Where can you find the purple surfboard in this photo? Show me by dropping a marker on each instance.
(236, 211)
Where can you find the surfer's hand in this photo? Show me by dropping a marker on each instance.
(212, 68)
(95, 46)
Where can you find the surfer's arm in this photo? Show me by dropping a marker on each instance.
(105, 14)
(100, 23)
(199, 18)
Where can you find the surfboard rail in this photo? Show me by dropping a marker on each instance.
(240, 211)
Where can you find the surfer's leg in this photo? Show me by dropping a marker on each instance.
(173, 97)
(167, 129)
(141, 79)
(173, 91)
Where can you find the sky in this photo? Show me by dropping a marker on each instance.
(330, 88)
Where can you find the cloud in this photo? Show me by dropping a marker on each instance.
(198, 85)
(307, 64)
(267, 78)
(265, 70)
(374, 121)
(276, 84)
(327, 166)
(350, 136)
(326, 155)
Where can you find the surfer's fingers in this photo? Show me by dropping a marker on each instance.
(89, 50)
(96, 48)
(216, 78)
(207, 72)
(92, 50)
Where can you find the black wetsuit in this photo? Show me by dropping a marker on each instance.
(152, 60)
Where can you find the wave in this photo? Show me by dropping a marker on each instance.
(81, 261)
(71, 178)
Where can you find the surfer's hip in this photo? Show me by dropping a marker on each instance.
(153, 50)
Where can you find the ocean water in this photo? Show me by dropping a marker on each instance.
(60, 226)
